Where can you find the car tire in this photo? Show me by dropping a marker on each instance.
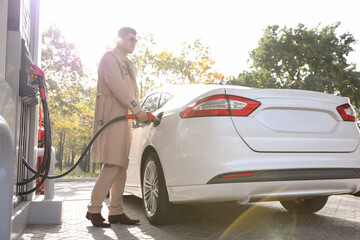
(305, 205)
(157, 208)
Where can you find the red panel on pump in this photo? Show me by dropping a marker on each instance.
(41, 135)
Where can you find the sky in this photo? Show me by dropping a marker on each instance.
(230, 28)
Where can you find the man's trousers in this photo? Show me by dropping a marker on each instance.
(112, 178)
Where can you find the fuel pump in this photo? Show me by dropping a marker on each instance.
(37, 77)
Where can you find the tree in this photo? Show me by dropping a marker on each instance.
(143, 60)
(256, 79)
(302, 58)
(191, 65)
(70, 100)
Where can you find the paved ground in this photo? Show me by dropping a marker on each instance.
(340, 219)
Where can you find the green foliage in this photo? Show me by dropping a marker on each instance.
(191, 65)
(70, 100)
(302, 58)
(143, 60)
(256, 79)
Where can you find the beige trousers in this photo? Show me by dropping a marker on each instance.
(112, 177)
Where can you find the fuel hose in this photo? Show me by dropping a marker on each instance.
(44, 167)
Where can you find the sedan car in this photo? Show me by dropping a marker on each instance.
(224, 143)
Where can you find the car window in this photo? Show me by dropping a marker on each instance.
(151, 103)
(164, 98)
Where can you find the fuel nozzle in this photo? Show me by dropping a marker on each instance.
(151, 118)
(37, 75)
(157, 120)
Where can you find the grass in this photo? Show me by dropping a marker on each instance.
(75, 174)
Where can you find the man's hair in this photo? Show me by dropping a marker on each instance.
(123, 32)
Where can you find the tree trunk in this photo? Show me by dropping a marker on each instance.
(61, 149)
(63, 146)
(68, 161)
(72, 157)
(83, 161)
(87, 162)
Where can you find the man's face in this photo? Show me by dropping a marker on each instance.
(128, 43)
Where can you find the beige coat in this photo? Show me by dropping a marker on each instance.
(117, 93)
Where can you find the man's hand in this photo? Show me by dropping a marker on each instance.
(150, 117)
(142, 116)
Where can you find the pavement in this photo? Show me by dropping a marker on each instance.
(339, 219)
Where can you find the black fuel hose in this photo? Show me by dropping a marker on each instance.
(47, 150)
(123, 117)
(156, 122)
(45, 165)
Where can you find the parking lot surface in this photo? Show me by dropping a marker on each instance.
(339, 219)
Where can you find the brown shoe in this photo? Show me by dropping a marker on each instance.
(97, 220)
(123, 219)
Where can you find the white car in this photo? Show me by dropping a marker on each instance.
(224, 143)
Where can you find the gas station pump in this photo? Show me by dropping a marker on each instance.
(36, 77)
(19, 50)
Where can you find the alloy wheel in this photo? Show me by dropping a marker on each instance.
(151, 188)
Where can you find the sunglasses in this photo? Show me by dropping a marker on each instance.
(133, 40)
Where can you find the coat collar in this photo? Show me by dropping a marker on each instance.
(129, 65)
(118, 53)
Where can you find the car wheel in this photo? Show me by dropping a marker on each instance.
(305, 205)
(155, 198)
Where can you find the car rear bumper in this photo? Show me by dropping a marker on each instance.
(286, 175)
(264, 191)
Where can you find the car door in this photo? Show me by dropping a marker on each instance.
(140, 135)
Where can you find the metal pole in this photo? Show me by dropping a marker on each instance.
(50, 183)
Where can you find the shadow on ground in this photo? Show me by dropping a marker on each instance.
(230, 220)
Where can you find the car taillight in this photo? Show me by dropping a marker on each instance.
(220, 105)
(242, 106)
(347, 112)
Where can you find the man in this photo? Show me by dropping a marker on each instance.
(117, 95)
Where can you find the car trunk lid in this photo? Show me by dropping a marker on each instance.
(295, 121)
